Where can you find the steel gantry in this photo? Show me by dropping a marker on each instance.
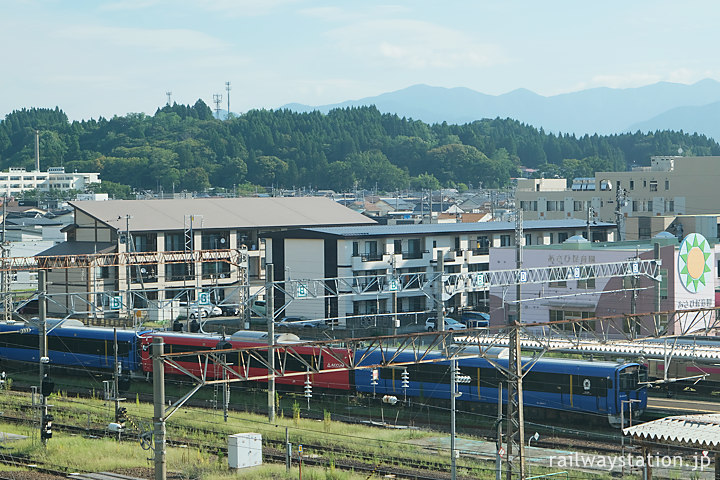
(79, 303)
(352, 354)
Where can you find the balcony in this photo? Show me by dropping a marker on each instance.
(413, 254)
(371, 257)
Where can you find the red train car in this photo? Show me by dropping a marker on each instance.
(190, 342)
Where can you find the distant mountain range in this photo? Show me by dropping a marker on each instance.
(661, 106)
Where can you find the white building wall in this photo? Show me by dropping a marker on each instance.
(304, 258)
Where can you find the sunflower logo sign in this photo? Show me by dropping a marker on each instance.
(694, 262)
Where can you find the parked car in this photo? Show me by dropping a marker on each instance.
(475, 319)
(300, 322)
(258, 308)
(229, 310)
(450, 324)
(202, 311)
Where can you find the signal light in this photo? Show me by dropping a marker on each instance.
(47, 386)
(121, 415)
(46, 431)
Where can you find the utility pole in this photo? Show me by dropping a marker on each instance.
(440, 312)
(619, 201)
(453, 396)
(128, 243)
(116, 382)
(159, 408)
(590, 213)
(658, 288)
(516, 420)
(227, 89)
(43, 350)
(498, 439)
(4, 246)
(270, 315)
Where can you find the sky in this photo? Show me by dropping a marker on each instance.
(94, 58)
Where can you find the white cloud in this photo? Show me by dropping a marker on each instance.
(242, 8)
(337, 14)
(413, 44)
(152, 39)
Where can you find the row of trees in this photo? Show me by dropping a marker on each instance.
(184, 147)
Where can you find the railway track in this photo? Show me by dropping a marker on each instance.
(22, 461)
(273, 450)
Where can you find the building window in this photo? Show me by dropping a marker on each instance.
(529, 205)
(175, 272)
(588, 284)
(667, 184)
(219, 240)
(356, 249)
(578, 206)
(664, 284)
(397, 246)
(479, 267)
(562, 236)
(413, 250)
(555, 205)
(653, 185)
(144, 242)
(482, 245)
(635, 206)
(632, 184)
(650, 206)
(551, 236)
(505, 241)
(174, 242)
(371, 252)
(528, 239)
(577, 327)
(560, 284)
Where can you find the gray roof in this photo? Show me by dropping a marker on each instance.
(78, 248)
(690, 430)
(448, 228)
(250, 212)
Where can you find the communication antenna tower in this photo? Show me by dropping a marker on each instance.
(169, 95)
(227, 89)
(217, 98)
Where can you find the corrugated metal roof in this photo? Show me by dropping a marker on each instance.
(690, 430)
(78, 248)
(250, 212)
(441, 228)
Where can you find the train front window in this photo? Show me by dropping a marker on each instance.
(631, 377)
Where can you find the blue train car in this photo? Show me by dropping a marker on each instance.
(72, 344)
(601, 388)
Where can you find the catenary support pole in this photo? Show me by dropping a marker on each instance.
(270, 315)
(159, 408)
(498, 441)
(43, 347)
(453, 396)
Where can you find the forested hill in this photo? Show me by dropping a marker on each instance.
(184, 147)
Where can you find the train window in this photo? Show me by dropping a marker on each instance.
(630, 376)
(294, 364)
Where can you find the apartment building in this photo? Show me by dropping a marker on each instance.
(671, 185)
(18, 180)
(407, 253)
(160, 226)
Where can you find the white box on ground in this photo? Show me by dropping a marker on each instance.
(244, 450)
